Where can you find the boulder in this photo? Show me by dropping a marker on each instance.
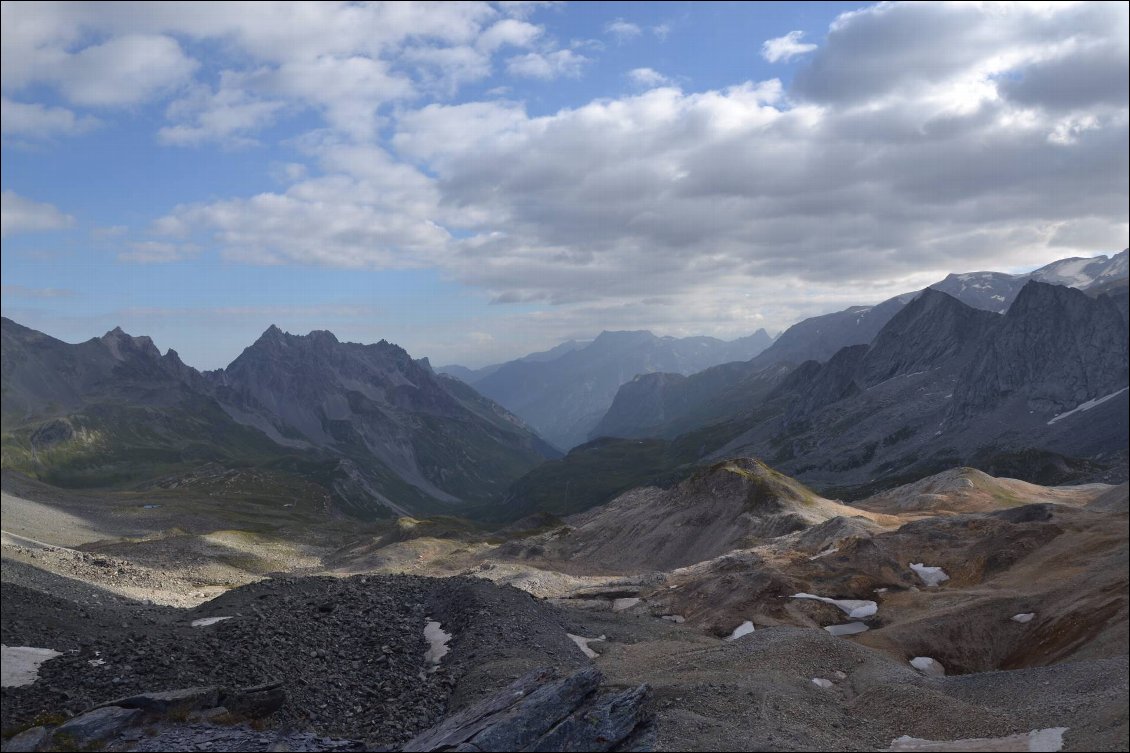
(94, 726)
(547, 712)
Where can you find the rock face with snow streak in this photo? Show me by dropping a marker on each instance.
(1056, 348)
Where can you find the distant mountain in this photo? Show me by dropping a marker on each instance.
(378, 429)
(945, 384)
(564, 392)
(995, 291)
(662, 406)
(1039, 393)
(471, 376)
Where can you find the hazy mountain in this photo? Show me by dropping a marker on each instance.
(564, 392)
(375, 427)
(471, 376)
(662, 406)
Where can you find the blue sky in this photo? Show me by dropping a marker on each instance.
(476, 181)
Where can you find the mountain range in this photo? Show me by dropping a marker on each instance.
(848, 403)
(381, 431)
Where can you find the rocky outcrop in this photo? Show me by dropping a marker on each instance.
(546, 711)
(1055, 349)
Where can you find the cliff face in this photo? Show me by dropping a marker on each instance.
(1055, 348)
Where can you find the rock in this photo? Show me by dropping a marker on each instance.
(26, 741)
(541, 711)
(255, 702)
(170, 702)
(94, 726)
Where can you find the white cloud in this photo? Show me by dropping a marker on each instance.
(227, 115)
(623, 31)
(510, 32)
(157, 252)
(36, 121)
(647, 77)
(21, 291)
(21, 215)
(661, 31)
(786, 47)
(547, 66)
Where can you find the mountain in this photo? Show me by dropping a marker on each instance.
(654, 406)
(382, 432)
(471, 376)
(564, 392)
(945, 384)
(995, 291)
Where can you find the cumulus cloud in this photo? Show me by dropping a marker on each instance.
(344, 60)
(36, 121)
(22, 215)
(622, 31)
(547, 66)
(647, 77)
(786, 47)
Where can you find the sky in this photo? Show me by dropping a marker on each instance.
(477, 181)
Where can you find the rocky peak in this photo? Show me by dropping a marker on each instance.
(933, 330)
(1056, 347)
(122, 345)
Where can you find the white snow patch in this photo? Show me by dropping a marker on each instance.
(206, 621)
(583, 644)
(931, 576)
(19, 665)
(437, 639)
(854, 608)
(1086, 406)
(1023, 617)
(881, 590)
(850, 628)
(820, 682)
(928, 666)
(1047, 740)
(743, 629)
(620, 605)
(824, 553)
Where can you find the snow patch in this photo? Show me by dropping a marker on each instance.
(619, 605)
(931, 576)
(1047, 740)
(928, 666)
(206, 621)
(437, 639)
(850, 628)
(583, 644)
(743, 629)
(854, 608)
(1086, 406)
(19, 665)
(824, 553)
(1023, 617)
(820, 682)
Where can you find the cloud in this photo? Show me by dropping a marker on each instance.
(661, 31)
(20, 215)
(547, 66)
(345, 61)
(786, 47)
(647, 77)
(623, 31)
(157, 252)
(36, 121)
